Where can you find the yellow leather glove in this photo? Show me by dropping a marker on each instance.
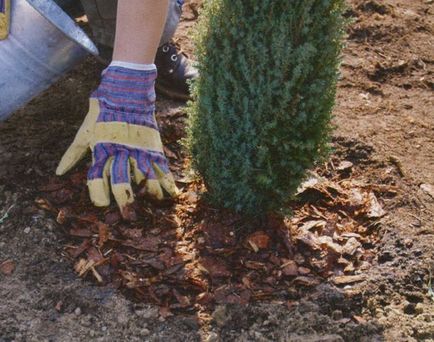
(122, 133)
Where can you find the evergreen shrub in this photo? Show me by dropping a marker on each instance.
(261, 109)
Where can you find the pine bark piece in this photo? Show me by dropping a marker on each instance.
(346, 280)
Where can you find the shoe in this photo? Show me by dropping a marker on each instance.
(175, 71)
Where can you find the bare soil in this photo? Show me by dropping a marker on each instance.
(351, 264)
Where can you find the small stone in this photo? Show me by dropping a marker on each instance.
(77, 311)
(148, 313)
(428, 189)
(344, 165)
(408, 243)
(27, 230)
(212, 337)
(122, 318)
(144, 332)
(380, 312)
(337, 315)
(418, 309)
(427, 318)
(50, 226)
(104, 328)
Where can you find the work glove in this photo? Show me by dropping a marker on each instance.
(122, 133)
(4, 18)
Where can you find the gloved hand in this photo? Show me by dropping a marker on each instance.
(122, 133)
(4, 18)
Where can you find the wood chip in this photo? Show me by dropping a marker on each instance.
(290, 268)
(351, 246)
(259, 240)
(344, 165)
(307, 281)
(359, 319)
(375, 209)
(351, 279)
(103, 234)
(313, 224)
(328, 242)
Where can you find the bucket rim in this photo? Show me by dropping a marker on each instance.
(56, 16)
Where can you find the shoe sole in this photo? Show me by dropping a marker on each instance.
(173, 95)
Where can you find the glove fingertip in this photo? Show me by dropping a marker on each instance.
(60, 171)
(99, 192)
(167, 181)
(153, 188)
(123, 194)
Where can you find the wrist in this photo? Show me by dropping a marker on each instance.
(133, 66)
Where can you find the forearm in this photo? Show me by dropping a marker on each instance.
(139, 26)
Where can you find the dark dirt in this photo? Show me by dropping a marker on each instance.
(384, 127)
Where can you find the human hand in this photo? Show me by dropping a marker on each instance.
(122, 133)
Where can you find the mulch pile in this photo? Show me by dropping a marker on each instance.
(186, 255)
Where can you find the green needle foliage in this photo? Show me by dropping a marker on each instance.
(262, 104)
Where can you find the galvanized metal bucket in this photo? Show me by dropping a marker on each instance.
(43, 43)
